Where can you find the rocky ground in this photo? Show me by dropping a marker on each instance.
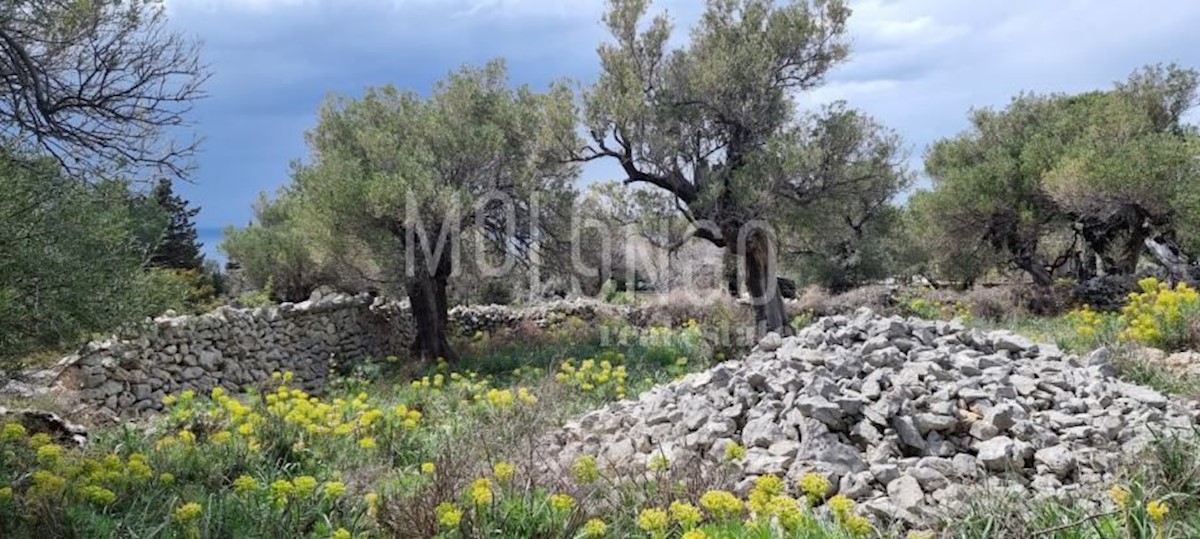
(907, 417)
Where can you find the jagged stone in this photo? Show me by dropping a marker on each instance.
(907, 416)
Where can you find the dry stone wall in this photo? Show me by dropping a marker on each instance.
(234, 348)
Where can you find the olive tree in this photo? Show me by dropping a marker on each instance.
(73, 257)
(1065, 181)
(987, 183)
(403, 178)
(1130, 171)
(714, 122)
(273, 253)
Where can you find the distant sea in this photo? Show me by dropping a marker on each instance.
(211, 238)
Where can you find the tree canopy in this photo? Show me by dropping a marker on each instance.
(73, 257)
(402, 180)
(714, 122)
(1105, 172)
(177, 247)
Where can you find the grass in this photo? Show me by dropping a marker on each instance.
(1166, 474)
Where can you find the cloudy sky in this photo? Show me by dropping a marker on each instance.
(917, 65)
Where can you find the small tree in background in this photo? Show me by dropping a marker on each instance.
(1083, 183)
(177, 249)
(987, 183)
(273, 254)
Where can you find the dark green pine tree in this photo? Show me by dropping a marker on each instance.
(179, 248)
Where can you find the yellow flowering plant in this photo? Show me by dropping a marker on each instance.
(1161, 315)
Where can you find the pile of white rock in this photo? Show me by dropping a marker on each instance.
(904, 416)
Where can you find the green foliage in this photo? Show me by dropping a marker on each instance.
(71, 258)
(987, 184)
(1052, 179)
(184, 291)
(177, 247)
(261, 297)
(847, 236)
(396, 181)
(273, 250)
(803, 320)
(382, 165)
(916, 303)
(720, 131)
(1159, 315)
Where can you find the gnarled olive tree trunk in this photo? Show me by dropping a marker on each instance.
(758, 256)
(428, 303)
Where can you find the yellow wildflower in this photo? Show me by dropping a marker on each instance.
(586, 470)
(595, 528)
(788, 511)
(686, 514)
(814, 485)
(428, 468)
(653, 521)
(304, 485)
(166, 477)
(341, 533)
(448, 515)
(857, 525)
(188, 512)
(694, 534)
(1157, 510)
(721, 504)
(841, 506)
(503, 471)
(334, 489)
(659, 463)
(734, 452)
(281, 489)
(481, 491)
(244, 483)
(49, 455)
(367, 443)
(38, 440)
(1119, 496)
(187, 437)
(12, 432)
(562, 502)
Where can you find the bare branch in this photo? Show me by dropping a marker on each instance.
(99, 86)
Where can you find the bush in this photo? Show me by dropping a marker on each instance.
(1162, 316)
(921, 304)
(1159, 316)
(258, 298)
(72, 261)
(496, 292)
